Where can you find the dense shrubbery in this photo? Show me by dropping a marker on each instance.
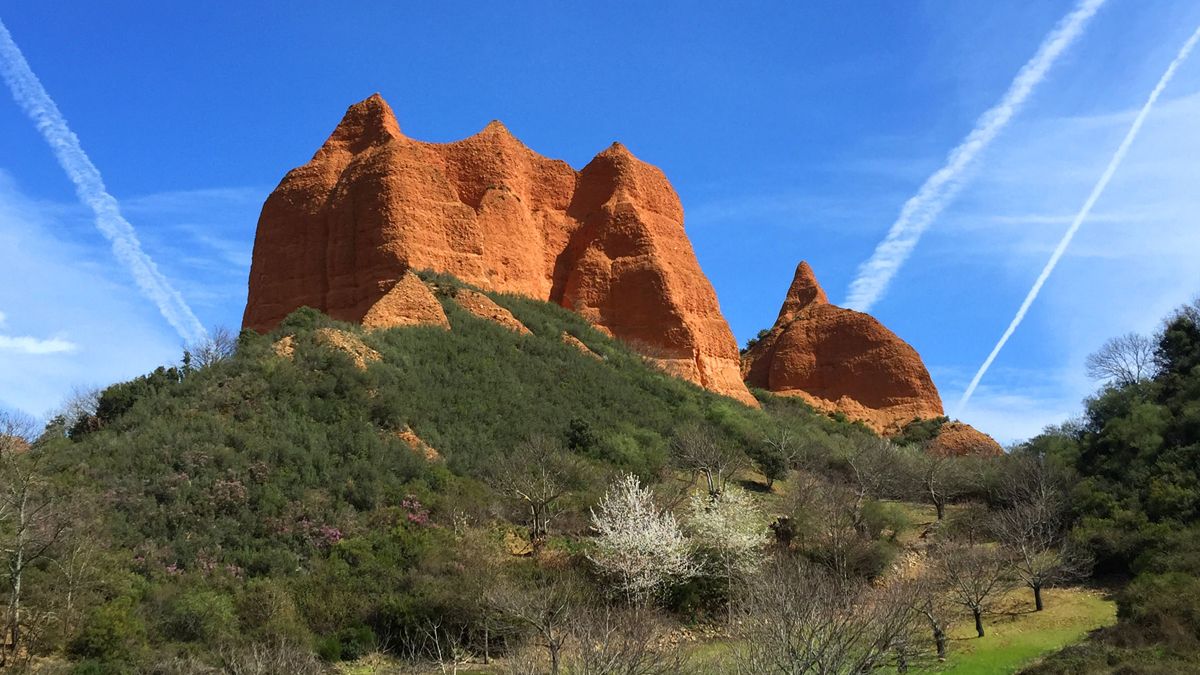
(256, 498)
(1137, 454)
(251, 507)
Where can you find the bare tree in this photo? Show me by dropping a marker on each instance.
(1122, 360)
(931, 602)
(539, 475)
(30, 521)
(78, 406)
(638, 545)
(217, 346)
(265, 658)
(872, 464)
(621, 641)
(547, 610)
(697, 450)
(445, 643)
(940, 480)
(798, 618)
(974, 576)
(77, 562)
(828, 522)
(1033, 529)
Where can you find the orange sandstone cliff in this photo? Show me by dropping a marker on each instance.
(840, 360)
(339, 233)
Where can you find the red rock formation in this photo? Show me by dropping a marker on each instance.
(607, 241)
(841, 360)
(958, 439)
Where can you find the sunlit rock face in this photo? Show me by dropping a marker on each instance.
(840, 360)
(608, 242)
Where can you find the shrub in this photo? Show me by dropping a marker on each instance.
(347, 644)
(112, 634)
(200, 615)
(1164, 607)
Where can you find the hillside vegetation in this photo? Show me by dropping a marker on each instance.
(481, 500)
(1136, 452)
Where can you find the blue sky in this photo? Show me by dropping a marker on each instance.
(790, 130)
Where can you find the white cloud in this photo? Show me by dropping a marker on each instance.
(1013, 416)
(30, 345)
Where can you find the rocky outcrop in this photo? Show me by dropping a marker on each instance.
(417, 445)
(347, 343)
(340, 340)
(959, 439)
(485, 308)
(607, 241)
(840, 360)
(285, 347)
(408, 303)
(575, 342)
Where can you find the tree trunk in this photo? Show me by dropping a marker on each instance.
(1037, 597)
(941, 509)
(16, 572)
(978, 621)
(553, 659)
(939, 637)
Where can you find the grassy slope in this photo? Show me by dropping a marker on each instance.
(1015, 640)
(1019, 636)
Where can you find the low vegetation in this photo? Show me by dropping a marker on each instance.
(262, 509)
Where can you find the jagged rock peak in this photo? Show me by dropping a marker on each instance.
(840, 360)
(366, 123)
(804, 291)
(496, 127)
(607, 241)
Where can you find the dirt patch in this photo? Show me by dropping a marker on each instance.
(348, 343)
(578, 344)
(485, 308)
(417, 445)
(285, 347)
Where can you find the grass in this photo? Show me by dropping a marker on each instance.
(1018, 638)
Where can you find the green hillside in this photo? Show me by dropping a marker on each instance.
(330, 499)
(281, 480)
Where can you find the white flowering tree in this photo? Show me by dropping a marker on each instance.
(638, 545)
(730, 530)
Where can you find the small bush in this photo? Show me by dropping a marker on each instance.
(347, 644)
(200, 615)
(113, 634)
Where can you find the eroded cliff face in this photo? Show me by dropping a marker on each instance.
(841, 360)
(607, 241)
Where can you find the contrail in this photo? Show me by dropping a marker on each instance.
(1113, 164)
(89, 186)
(940, 189)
